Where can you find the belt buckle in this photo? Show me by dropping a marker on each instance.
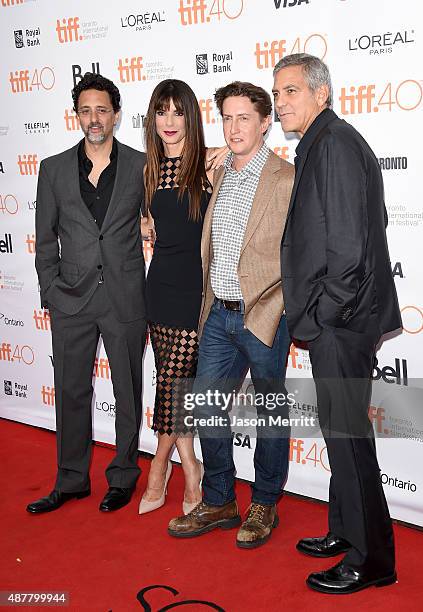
(233, 305)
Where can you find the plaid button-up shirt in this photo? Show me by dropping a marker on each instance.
(230, 218)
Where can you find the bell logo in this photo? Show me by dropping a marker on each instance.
(28, 165)
(30, 244)
(6, 245)
(390, 375)
(131, 70)
(71, 121)
(77, 71)
(206, 108)
(68, 30)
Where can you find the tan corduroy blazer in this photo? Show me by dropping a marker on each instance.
(259, 267)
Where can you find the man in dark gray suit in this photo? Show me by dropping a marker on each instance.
(340, 297)
(90, 267)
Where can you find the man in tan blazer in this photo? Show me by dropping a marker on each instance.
(242, 322)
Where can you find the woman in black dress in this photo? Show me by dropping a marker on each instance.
(177, 188)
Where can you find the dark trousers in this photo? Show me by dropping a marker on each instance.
(75, 339)
(342, 362)
(227, 349)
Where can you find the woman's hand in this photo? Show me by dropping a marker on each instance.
(147, 229)
(215, 156)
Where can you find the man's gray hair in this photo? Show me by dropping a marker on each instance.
(316, 73)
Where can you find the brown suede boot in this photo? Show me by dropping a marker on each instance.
(257, 527)
(205, 518)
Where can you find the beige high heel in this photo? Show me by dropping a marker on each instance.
(148, 506)
(188, 506)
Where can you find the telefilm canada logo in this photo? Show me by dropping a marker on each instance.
(28, 37)
(37, 127)
(219, 62)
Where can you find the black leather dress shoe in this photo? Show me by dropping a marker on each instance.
(327, 546)
(53, 501)
(115, 498)
(342, 580)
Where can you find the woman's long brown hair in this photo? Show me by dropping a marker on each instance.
(191, 174)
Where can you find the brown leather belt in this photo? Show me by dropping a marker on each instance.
(232, 304)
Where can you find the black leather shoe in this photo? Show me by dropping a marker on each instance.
(326, 546)
(115, 498)
(53, 501)
(342, 580)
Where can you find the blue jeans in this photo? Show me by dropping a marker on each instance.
(227, 349)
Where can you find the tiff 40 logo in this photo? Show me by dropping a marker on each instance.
(8, 204)
(269, 52)
(202, 11)
(406, 96)
(23, 81)
(17, 353)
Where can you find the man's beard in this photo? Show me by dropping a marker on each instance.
(95, 138)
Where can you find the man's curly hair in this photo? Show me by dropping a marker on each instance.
(91, 80)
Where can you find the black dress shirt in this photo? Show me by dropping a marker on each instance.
(97, 198)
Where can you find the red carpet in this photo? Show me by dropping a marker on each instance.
(103, 561)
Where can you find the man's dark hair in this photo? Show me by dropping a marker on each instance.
(91, 80)
(257, 95)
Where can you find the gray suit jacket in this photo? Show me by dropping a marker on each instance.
(72, 252)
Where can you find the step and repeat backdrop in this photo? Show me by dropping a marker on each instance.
(374, 52)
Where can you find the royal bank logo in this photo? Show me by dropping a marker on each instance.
(219, 62)
(381, 44)
(202, 63)
(16, 389)
(19, 43)
(28, 37)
